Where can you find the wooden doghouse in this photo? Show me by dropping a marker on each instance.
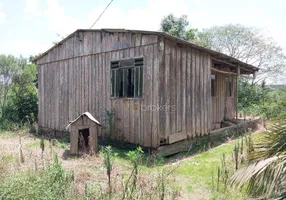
(84, 131)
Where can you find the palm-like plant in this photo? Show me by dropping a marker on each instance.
(266, 173)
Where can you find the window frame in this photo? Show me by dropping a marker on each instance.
(215, 86)
(140, 70)
(229, 79)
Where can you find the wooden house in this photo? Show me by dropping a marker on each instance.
(162, 88)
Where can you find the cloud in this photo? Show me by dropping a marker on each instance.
(32, 9)
(147, 18)
(52, 15)
(19, 47)
(2, 14)
(2, 17)
(58, 21)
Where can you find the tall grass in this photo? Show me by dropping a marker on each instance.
(52, 183)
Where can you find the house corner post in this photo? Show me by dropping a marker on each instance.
(237, 80)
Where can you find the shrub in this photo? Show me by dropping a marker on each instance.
(53, 183)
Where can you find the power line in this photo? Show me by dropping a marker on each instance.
(101, 14)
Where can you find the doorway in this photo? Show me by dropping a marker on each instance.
(83, 138)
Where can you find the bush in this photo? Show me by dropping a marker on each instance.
(53, 183)
(260, 100)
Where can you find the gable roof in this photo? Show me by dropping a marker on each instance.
(88, 115)
(215, 55)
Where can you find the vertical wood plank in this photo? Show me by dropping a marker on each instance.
(162, 93)
(205, 89)
(139, 51)
(201, 85)
(184, 86)
(209, 109)
(189, 95)
(167, 87)
(60, 87)
(126, 103)
(70, 88)
(103, 86)
(147, 81)
(108, 80)
(173, 91)
(197, 96)
(132, 109)
(155, 98)
(178, 94)
(121, 107)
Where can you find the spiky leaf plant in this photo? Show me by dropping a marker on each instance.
(266, 173)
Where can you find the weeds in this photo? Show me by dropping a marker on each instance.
(21, 155)
(236, 155)
(110, 119)
(222, 176)
(107, 155)
(42, 146)
(135, 158)
(49, 184)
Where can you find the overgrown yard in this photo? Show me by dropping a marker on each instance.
(178, 177)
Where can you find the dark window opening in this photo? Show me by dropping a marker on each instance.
(127, 78)
(229, 86)
(213, 85)
(83, 138)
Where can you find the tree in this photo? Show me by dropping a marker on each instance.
(18, 92)
(246, 44)
(8, 70)
(260, 100)
(177, 27)
(33, 57)
(23, 102)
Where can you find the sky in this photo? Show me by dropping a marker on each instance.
(29, 27)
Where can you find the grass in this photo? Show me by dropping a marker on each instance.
(200, 169)
(9, 134)
(191, 175)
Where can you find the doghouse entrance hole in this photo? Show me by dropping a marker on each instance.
(83, 138)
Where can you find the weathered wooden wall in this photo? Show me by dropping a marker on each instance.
(185, 90)
(221, 105)
(75, 78)
(177, 104)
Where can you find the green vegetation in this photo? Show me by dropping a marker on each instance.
(178, 177)
(18, 93)
(178, 27)
(52, 183)
(265, 172)
(110, 123)
(107, 155)
(260, 100)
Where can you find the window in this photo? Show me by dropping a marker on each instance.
(213, 85)
(127, 78)
(228, 81)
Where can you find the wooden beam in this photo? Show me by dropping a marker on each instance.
(222, 61)
(223, 72)
(237, 79)
(231, 64)
(216, 135)
(177, 137)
